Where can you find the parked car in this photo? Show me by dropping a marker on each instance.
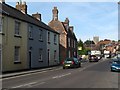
(99, 57)
(115, 66)
(93, 58)
(71, 62)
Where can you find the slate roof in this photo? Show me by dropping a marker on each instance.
(14, 13)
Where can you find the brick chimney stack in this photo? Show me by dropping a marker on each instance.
(37, 16)
(2, 1)
(22, 7)
(71, 28)
(66, 23)
(55, 13)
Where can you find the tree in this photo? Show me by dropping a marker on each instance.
(80, 44)
(88, 42)
(83, 51)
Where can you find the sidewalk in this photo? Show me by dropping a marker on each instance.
(26, 72)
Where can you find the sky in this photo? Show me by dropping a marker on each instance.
(88, 18)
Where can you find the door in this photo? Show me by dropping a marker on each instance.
(48, 56)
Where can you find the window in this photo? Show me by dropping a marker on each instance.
(48, 37)
(1, 24)
(17, 54)
(74, 44)
(40, 55)
(40, 33)
(30, 32)
(69, 54)
(71, 43)
(0, 52)
(68, 42)
(55, 54)
(55, 38)
(17, 28)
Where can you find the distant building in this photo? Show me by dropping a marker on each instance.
(68, 40)
(101, 44)
(96, 39)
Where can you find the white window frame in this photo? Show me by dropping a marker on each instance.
(17, 28)
(1, 24)
(48, 37)
(69, 53)
(0, 52)
(68, 42)
(17, 54)
(40, 34)
(40, 55)
(30, 32)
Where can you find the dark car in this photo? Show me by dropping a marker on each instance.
(93, 58)
(71, 62)
(115, 66)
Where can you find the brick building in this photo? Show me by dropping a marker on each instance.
(68, 40)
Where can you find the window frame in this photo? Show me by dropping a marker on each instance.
(40, 35)
(40, 55)
(1, 24)
(48, 37)
(55, 39)
(17, 28)
(17, 54)
(30, 30)
(55, 55)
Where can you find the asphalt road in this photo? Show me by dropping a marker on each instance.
(90, 75)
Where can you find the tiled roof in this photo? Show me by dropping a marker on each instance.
(13, 12)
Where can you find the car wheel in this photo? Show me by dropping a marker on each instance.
(63, 67)
(112, 70)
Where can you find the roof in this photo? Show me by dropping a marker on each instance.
(71, 34)
(13, 12)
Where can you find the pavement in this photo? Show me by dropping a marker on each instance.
(26, 72)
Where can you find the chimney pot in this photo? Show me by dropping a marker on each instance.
(2, 1)
(37, 16)
(22, 7)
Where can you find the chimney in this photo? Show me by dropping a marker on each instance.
(2, 1)
(71, 28)
(22, 7)
(66, 23)
(55, 13)
(37, 16)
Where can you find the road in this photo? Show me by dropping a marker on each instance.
(90, 75)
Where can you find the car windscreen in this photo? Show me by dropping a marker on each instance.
(116, 62)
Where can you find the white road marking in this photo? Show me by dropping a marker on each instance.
(36, 84)
(59, 76)
(25, 85)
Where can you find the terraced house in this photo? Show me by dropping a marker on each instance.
(25, 40)
(68, 40)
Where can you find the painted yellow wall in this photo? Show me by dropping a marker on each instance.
(9, 42)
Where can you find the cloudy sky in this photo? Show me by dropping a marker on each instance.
(88, 18)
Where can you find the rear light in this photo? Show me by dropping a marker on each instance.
(62, 62)
(72, 62)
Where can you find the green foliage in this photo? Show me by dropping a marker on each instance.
(83, 51)
(88, 42)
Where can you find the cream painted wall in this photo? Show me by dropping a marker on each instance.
(10, 41)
